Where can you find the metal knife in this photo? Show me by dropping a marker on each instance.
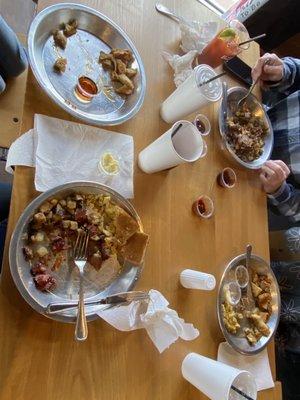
(118, 298)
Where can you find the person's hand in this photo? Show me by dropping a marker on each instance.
(273, 174)
(273, 71)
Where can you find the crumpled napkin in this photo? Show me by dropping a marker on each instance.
(162, 324)
(195, 36)
(63, 151)
(182, 65)
(258, 364)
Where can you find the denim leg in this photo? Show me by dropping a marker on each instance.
(2, 84)
(3, 226)
(5, 194)
(13, 59)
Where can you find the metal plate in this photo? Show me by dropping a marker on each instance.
(234, 95)
(20, 269)
(95, 33)
(241, 344)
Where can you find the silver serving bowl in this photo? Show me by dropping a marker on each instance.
(239, 343)
(95, 290)
(234, 95)
(95, 33)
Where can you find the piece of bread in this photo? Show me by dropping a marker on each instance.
(135, 248)
(260, 324)
(256, 290)
(126, 226)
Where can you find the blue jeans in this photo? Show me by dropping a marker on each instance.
(13, 58)
(288, 334)
(5, 194)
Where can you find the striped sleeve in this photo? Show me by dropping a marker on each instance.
(286, 201)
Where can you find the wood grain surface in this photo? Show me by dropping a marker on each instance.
(39, 358)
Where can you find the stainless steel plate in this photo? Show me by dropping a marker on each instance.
(95, 290)
(241, 344)
(95, 33)
(234, 95)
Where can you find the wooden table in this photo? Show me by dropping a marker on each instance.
(39, 358)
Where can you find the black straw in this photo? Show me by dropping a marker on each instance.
(252, 39)
(212, 79)
(241, 393)
(176, 130)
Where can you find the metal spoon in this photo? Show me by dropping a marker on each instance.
(248, 255)
(165, 11)
(242, 100)
(248, 301)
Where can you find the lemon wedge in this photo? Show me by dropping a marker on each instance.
(110, 164)
(228, 34)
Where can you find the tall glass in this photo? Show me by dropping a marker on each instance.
(225, 45)
(190, 96)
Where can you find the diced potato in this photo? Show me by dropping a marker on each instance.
(71, 205)
(40, 218)
(45, 207)
(42, 251)
(73, 225)
(38, 237)
(66, 224)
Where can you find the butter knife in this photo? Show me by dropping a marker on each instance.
(118, 298)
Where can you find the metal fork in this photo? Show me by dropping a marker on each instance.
(242, 100)
(80, 258)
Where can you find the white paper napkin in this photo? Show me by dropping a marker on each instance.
(64, 151)
(258, 365)
(194, 37)
(162, 324)
(182, 65)
(197, 36)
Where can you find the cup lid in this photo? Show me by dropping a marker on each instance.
(210, 282)
(213, 90)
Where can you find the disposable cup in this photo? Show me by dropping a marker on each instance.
(227, 178)
(215, 379)
(192, 279)
(173, 148)
(190, 96)
(203, 207)
(202, 123)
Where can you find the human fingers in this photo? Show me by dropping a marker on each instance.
(277, 169)
(268, 172)
(272, 73)
(283, 166)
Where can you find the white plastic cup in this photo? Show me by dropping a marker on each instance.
(215, 379)
(189, 97)
(192, 279)
(186, 145)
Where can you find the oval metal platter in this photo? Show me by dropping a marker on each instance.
(238, 341)
(95, 33)
(234, 95)
(96, 287)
